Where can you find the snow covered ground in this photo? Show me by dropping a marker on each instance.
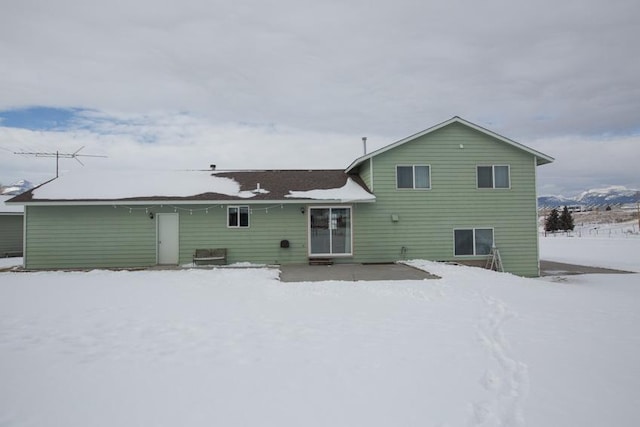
(614, 246)
(236, 347)
(10, 262)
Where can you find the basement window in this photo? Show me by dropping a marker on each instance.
(473, 241)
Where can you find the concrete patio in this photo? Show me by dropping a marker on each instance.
(351, 272)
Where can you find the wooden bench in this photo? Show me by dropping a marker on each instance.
(210, 256)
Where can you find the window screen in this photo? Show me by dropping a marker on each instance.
(463, 242)
(501, 176)
(485, 177)
(405, 176)
(484, 240)
(422, 176)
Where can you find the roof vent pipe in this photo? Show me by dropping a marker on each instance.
(364, 144)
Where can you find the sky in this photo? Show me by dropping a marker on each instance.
(169, 84)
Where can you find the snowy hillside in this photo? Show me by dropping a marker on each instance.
(615, 195)
(236, 347)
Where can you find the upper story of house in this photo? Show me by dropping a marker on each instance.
(455, 158)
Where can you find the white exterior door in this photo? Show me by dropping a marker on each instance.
(168, 237)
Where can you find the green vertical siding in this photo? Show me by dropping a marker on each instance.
(427, 218)
(11, 231)
(104, 236)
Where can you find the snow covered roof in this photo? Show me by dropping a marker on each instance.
(82, 187)
(9, 209)
(541, 158)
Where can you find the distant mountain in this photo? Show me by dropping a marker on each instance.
(16, 188)
(615, 195)
(555, 201)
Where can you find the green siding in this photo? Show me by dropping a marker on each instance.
(366, 174)
(427, 218)
(104, 236)
(88, 236)
(259, 243)
(11, 231)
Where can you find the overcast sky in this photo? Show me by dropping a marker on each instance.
(296, 84)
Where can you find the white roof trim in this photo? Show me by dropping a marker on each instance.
(156, 202)
(541, 158)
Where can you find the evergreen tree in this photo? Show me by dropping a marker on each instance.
(566, 220)
(552, 222)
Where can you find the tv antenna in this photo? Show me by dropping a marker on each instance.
(58, 155)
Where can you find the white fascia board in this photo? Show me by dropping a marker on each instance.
(189, 202)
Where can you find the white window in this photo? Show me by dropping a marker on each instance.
(473, 241)
(495, 176)
(413, 176)
(330, 231)
(237, 216)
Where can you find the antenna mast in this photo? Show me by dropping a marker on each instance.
(58, 155)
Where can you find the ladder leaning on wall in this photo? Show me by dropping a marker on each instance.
(494, 262)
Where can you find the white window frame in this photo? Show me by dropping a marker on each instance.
(309, 231)
(493, 176)
(413, 172)
(473, 230)
(239, 207)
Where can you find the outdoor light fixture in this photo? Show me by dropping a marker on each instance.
(302, 210)
(150, 215)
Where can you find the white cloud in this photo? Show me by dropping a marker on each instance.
(336, 66)
(173, 141)
(585, 163)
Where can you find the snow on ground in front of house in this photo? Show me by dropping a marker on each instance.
(619, 250)
(10, 262)
(232, 347)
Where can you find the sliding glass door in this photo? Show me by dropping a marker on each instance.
(330, 231)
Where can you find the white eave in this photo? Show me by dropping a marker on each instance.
(9, 208)
(541, 158)
(190, 202)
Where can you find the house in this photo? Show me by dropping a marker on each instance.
(449, 193)
(11, 228)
